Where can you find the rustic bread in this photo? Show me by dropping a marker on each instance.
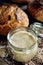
(11, 16)
(36, 10)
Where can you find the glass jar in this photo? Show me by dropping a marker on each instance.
(27, 44)
(38, 29)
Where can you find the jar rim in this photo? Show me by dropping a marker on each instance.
(17, 28)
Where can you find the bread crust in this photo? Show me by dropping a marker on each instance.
(36, 10)
(11, 16)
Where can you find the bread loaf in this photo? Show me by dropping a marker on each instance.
(11, 16)
(36, 10)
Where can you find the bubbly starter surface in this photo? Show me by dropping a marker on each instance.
(22, 39)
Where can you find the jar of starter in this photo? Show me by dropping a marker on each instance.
(38, 29)
(23, 43)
